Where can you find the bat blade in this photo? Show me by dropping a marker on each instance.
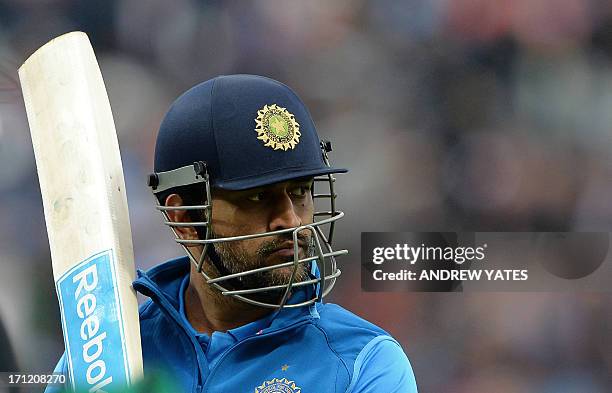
(85, 204)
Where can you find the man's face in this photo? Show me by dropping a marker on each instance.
(264, 209)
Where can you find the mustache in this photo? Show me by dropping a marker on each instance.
(281, 242)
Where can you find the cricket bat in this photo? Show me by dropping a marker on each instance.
(86, 213)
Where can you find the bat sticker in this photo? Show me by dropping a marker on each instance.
(93, 329)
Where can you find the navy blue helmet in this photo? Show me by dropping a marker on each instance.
(250, 130)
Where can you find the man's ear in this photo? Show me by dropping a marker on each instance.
(180, 216)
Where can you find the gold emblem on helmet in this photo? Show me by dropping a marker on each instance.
(277, 127)
(278, 386)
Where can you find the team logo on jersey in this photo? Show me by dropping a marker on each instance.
(277, 127)
(278, 386)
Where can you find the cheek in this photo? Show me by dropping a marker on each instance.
(235, 224)
(229, 220)
(306, 210)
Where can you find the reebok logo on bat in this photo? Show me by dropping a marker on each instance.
(94, 329)
(87, 281)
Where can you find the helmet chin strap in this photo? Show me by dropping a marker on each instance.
(215, 259)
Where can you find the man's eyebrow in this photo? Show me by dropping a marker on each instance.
(302, 180)
(251, 190)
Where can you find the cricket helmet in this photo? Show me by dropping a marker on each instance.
(238, 132)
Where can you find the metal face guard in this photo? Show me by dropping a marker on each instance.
(324, 256)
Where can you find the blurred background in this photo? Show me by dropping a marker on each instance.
(473, 115)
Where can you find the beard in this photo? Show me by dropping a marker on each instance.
(235, 259)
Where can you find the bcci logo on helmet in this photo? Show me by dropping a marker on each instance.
(277, 127)
(278, 386)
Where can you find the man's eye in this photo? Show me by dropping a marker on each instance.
(256, 197)
(300, 191)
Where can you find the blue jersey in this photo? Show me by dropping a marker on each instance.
(321, 348)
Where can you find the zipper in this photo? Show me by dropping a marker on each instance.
(147, 285)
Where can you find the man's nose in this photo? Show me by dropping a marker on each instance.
(284, 214)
